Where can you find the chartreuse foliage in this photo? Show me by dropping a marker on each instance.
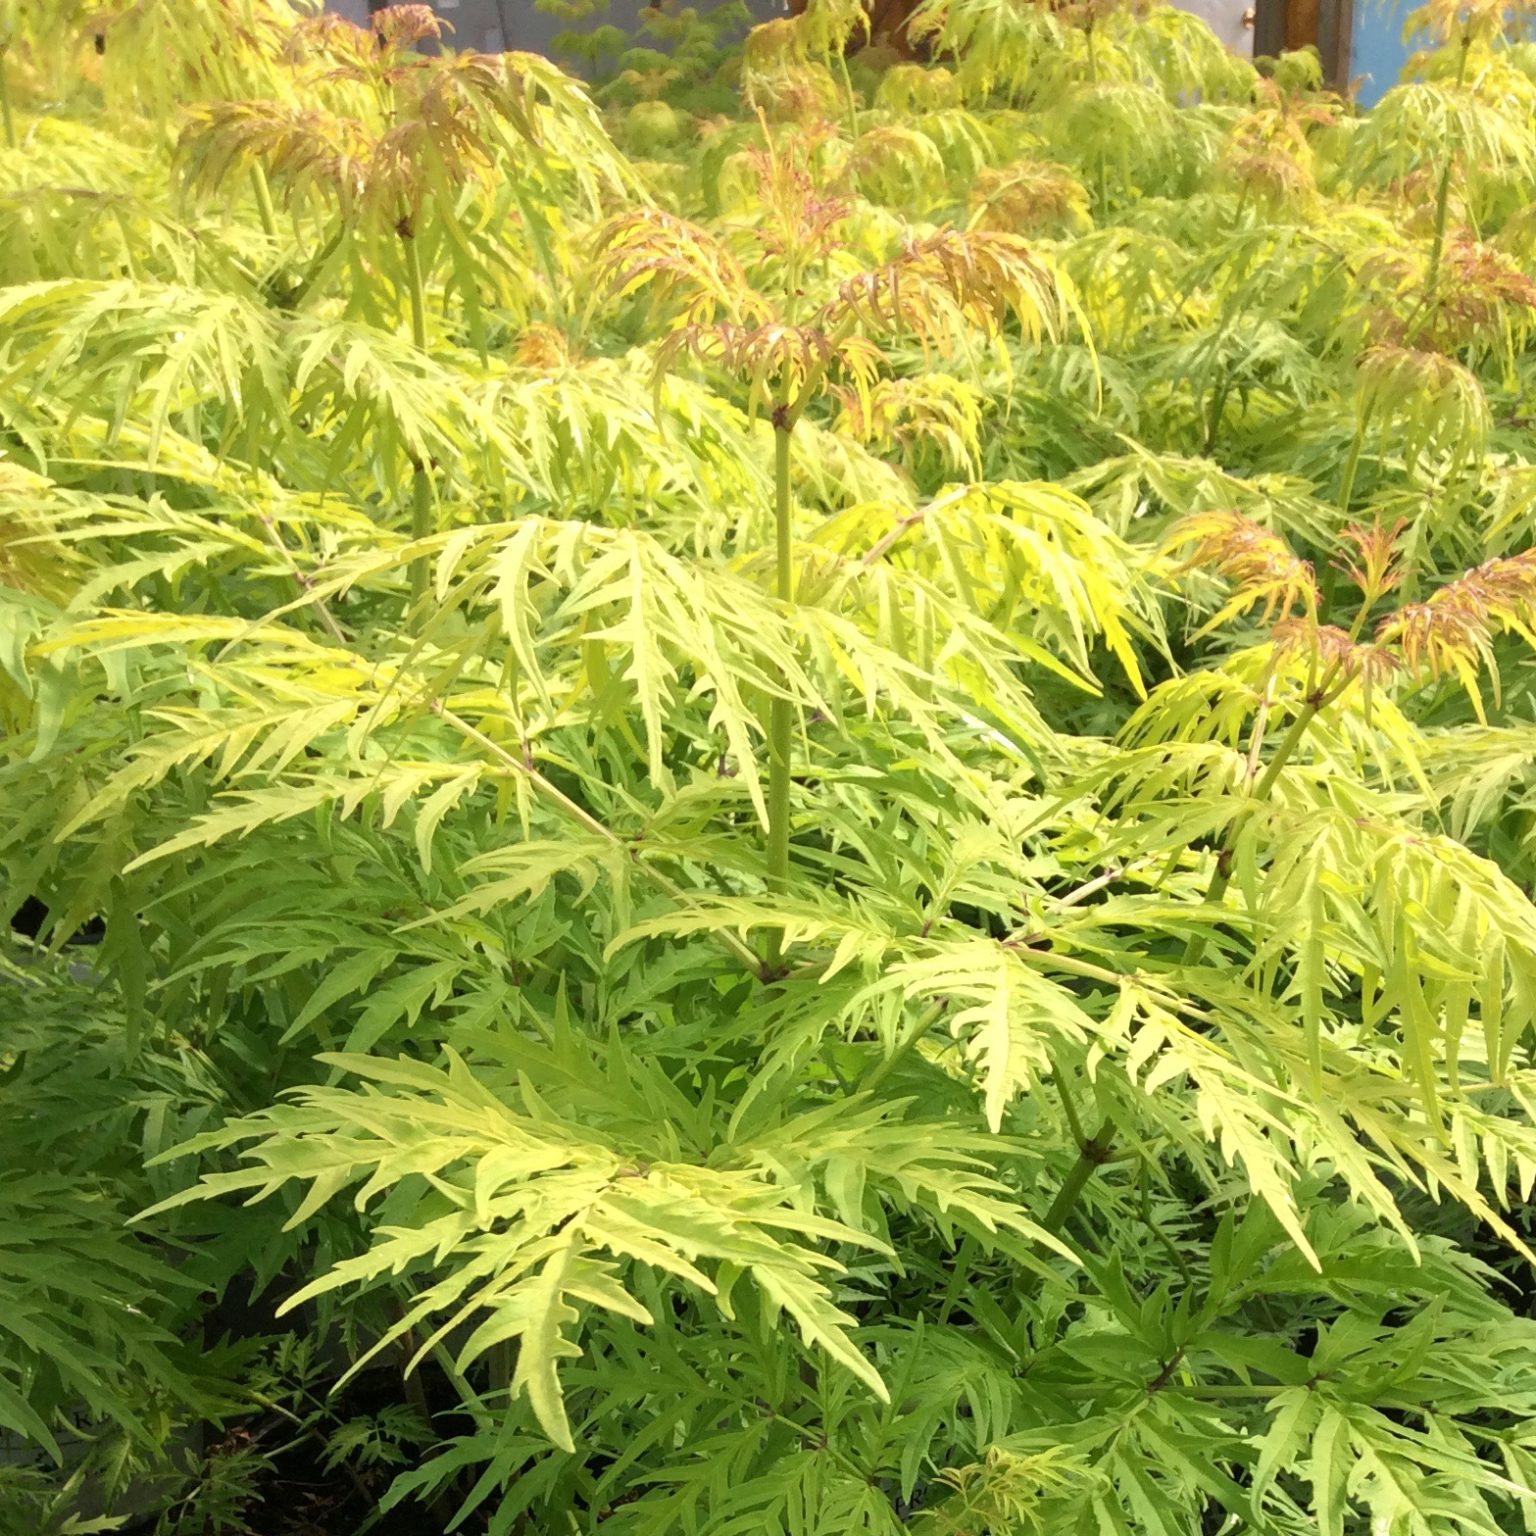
(809, 807)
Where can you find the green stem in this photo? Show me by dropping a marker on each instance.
(421, 526)
(1092, 1154)
(1149, 1221)
(1443, 194)
(5, 100)
(474, 1406)
(416, 1395)
(781, 721)
(1220, 1392)
(1070, 964)
(781, 714)
(1362, 616)
(853, 100)
(1069, 1109)
(301, 583)
(814, 1437)
(1352, 465)
(1292, 738)
(316, 265)
(1100, 169)
(882, 1069)
(1442, 209)
(264, 209)
(959, 1274)
(1217, 411)
(416, 288)
(421, 485)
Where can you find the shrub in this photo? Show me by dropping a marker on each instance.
(830, 835)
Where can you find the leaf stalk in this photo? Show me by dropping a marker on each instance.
(421, 485)
(781, 714)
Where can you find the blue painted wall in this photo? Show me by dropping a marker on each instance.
(1378, 51)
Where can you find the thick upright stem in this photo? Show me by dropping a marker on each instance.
(782, 514)
(781, 720)
(1091, 1154)
(264, 208)
(1291, 740)
(417, 290)
(421, 484)
(421, 526)
(781, 715)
